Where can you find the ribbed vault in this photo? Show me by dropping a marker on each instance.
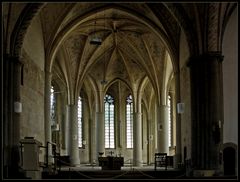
(130, 49)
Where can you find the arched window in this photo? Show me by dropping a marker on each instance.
(52, 107)
(109, 121)
(80, 138)
(129, 122)
(169, 121)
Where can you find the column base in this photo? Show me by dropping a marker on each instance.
(177, 161)
(138, 163)
(205, 173)
(34, 174)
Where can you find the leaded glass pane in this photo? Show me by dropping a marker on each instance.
(80, 139)
(169, 120)
(52, 107)
(109, 121)
(129, 120)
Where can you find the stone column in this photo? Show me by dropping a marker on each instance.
(162, 129)
(207, 111)
(92, 140)
(15, 130)
(17, 100)
(100, 133)
(137, 139)
(47, 117)
(67, 130)
(178, 155)
(74, 151)
(150, 139)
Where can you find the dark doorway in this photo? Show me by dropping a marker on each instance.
(229, 158)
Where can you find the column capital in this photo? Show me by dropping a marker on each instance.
(205, 57)
(137, 113)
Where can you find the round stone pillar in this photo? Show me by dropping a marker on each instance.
(162, 129)
(67, 130)
(178, 155)
(100, 133)
(17, 99)
(137, 139)
(74, 151)
(207, 111)
(16, 115)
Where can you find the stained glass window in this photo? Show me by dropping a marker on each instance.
(169, 121)
(52, 107)
(80, 138)
(129, 122)
(109, 121)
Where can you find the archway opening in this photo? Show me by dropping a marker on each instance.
(229, 158)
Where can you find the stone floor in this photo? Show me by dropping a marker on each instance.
(124, 168)
(91, 172)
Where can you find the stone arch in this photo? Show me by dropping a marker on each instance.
(68, 28)
(91, 83)
(21, 26)
(142, 85)
(116, 80)
(227, 17)
(182, 18)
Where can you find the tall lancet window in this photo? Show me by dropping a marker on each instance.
(80, 138)
(109, 122)
(129, 122)
(52, 107)
(169, 121)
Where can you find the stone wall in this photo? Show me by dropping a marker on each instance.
(32, 88)
(32, 96)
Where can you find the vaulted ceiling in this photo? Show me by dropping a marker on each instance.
(134, 43)
(139, 41)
